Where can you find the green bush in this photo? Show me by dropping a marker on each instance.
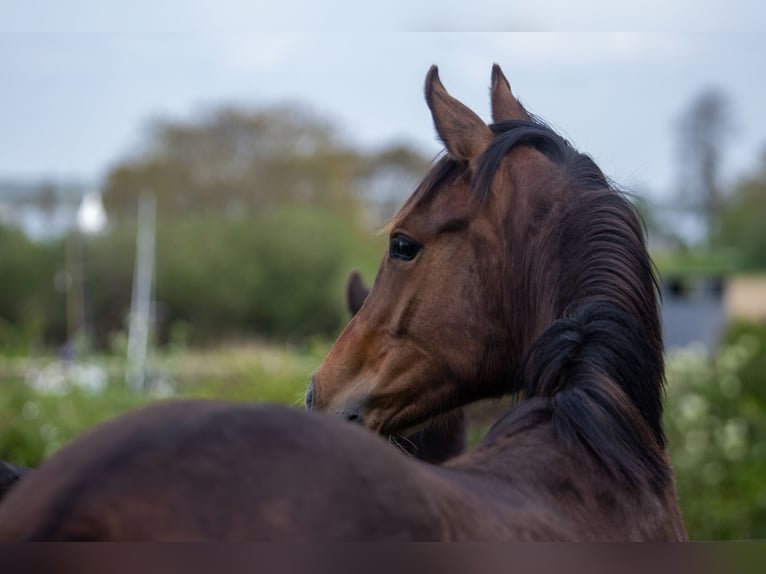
(37, 419)
(278, 276)
(716, 423)
(32, 310)
(35, 424)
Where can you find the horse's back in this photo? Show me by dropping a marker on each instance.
(191, 470)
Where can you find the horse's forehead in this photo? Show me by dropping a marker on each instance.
(524, 177)
(511, 188)
(444, 202)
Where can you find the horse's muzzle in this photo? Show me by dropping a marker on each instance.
(352, 414)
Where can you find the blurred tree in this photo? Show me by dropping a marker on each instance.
(262, 214)
(704, 129)
(31, 309)
(46, 198)
(388, 178)
(276, 275)
(232, 160)
(742, 219)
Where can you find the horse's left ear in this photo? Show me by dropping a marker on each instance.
(464, 133)
(505, 106)
(356, 293)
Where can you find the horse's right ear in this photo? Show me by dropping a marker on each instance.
(505, 106)
(464, 133)
(356, 293)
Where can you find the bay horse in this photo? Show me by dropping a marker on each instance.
(514, 268)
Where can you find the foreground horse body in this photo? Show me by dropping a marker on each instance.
(193, 470)
(513, 269)
(201, 470)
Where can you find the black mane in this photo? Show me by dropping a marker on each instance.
(600, 364)
(580, 168)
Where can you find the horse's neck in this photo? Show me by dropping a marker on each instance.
(590, 268)
(441, 440)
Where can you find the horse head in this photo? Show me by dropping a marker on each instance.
(515, 266)
(435, 332)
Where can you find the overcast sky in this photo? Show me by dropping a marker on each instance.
(79, 80)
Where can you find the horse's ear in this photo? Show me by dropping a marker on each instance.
(505, 106)
(463, 132)
(356, 293)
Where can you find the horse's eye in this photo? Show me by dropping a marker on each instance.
(403, 248)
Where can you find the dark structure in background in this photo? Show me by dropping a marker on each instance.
(693, 311)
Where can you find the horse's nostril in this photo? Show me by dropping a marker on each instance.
(352, 416)
(310, 394)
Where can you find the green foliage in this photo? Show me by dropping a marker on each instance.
(33, 425)
(741, 225)
(716, 423)
(692, 263)
(30, 306)
(233, 160)
(36, 420)
(279, 275)
(259, 223)
(737, 240)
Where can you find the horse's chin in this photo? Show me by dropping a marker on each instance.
(401, 427)
(386, 425)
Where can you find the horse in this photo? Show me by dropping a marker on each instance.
(514, 268)
(440, 439)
